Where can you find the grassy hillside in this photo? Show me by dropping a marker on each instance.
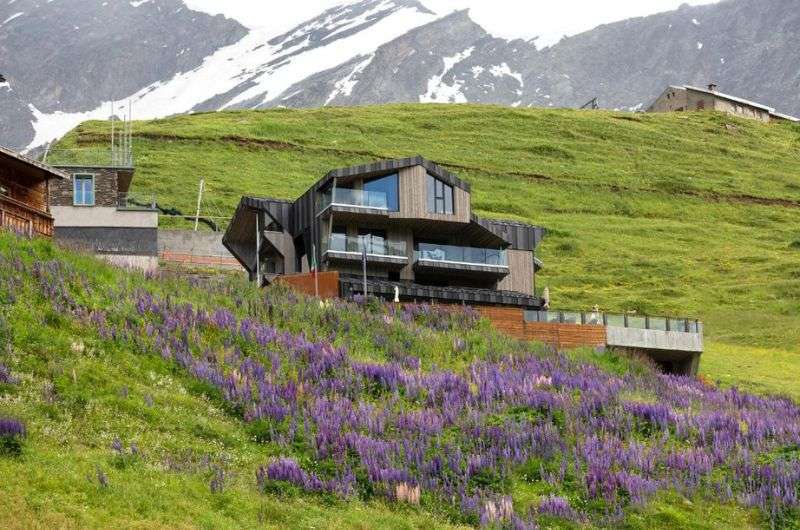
(693, 214)
(156, 403)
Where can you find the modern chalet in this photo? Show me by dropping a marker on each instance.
(24, 191)
(415, 221)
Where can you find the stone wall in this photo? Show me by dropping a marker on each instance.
(105, 187)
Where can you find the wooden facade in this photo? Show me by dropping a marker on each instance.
(511, 321)
(25, 193)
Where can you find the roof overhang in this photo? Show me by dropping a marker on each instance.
(44, 171)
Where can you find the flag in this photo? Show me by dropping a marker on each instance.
(314, 269)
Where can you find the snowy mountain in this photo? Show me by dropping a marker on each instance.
(165, 58)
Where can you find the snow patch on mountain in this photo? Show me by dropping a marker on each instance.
(441, 92)
(12, 17)
(258, 68)
(344, 87)
(504, 70)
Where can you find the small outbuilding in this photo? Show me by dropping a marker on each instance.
(691, 98)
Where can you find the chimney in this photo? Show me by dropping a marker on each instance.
(712, 87)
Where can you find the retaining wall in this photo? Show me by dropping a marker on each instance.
(187, 247)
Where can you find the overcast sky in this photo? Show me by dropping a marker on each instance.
(548, 19)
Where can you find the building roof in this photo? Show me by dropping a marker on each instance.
(784, 117)
(44, 168)
(729, 98)
(384, 166)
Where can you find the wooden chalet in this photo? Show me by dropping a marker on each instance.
(24, 194)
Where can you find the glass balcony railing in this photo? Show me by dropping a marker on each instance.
(356, 198)
(374, 246)
(597, 318)
(466, 255)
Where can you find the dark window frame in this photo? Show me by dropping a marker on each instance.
(441, 198)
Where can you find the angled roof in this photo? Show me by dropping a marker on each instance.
(730, 98)
(384, 166)
(519, 236)
(784, 117)
(44, 168)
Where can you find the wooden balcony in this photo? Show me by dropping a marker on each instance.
(23, 219)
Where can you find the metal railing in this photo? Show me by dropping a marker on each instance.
(358, 198)
(374, 246)
(136, 201)
(88, 157)
(621, 320)
(464, 255)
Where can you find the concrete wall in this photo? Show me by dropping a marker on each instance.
(110, 240)
(195, 248)
(145, 263)
(103, 216)
(650, 339)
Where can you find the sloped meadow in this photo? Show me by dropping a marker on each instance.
(418, 405)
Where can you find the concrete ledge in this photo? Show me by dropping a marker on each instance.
(650, 339)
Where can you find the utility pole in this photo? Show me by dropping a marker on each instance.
(364, 262)
(199, 200)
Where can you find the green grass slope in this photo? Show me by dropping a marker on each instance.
(693, 214)
(81, 391)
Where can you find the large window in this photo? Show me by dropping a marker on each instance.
(83, 190)
(385, 185)
(440, 196)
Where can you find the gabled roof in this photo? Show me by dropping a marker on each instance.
(44, 168)
(730, 98)
(385, 166)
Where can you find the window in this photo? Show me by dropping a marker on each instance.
(385, 185)
(83, 190)
(440, 196)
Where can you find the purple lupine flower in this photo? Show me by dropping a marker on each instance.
(5, 376)
(555, 506)
(11, 428)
